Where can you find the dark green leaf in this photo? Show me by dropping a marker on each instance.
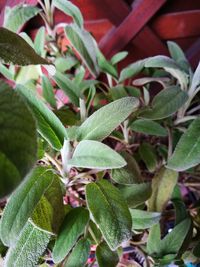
(69, 87)
(105, 256)
(95, 155)
(165, 103)
(72, 228)
(148, 127)
(30, 245)
(84, 44)
(109, 211)
(79, 255)
(21, 53)
(102, 122)
(148, 155)
(136, 194)
(187, 151)
(70, 9)
(118, 92)
(129, 174)
(49, 126)
(163, 185)
(22, 203)
(144, 219)
(17, 16)
(18, 140)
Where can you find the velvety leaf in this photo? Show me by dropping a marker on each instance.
(148, 155)
(21, 53)
(118, 92)
(132, 70)
(165, 103)
(105, 256)
(118, 57)
(30, 245)
(95, 155)
(70, 9)
(109, 211)
(79, 255)
(18, 140)
(17, 16)
(102, 122)
(65, 63)
(154, 239)
(22, 203)
(72, 228)
(71, 89)
(85, 46)
(49, 212)
(163, 185)
(144, 219)
(148, 127)
(129, 174)
(48, 92)
(136, 194)
(94, 234)
(105, 65)
(49, 126)
(187, 151)
(39, 41)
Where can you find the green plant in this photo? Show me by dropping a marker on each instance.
(94, 175)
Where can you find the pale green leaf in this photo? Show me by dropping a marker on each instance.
(165, 103)
(71, 89)
(142, 219)
(70, 9)
(148, 155)
(187, 151)
(17, 16)
(148, 127)
(109, 211)
(102, 122)
(85, 46)
(30, 245)
(79, 255)
(129, 174)
(40, 41)
(47, 90)
(105, 65)
(49, 126)
(118, 57)
(22, 203)
(17, 51)
(72, 228)
(105, 256)
(18, 139)
(136, 194)
(163, 185)
(95, 155)
(118, 92)
(132, 70)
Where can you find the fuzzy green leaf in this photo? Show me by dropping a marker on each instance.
(148, 155)
(142, 219)
(109, 211)
(105, 256)
(187, 151)
(30, 245)
(70, 9)
(102, 122)
(129, 174)
(49, 126)
(132, 70)
(118, 57)
(165, 103)
(84, 44)
(17, 51)
(148, 127)
(162, 185)
(95, 155)
(72, 228)
(22, 203)
(79, 255)
(47, 90)
(17, 16)
(18, 139)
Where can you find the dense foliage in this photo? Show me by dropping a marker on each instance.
(96, 159)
